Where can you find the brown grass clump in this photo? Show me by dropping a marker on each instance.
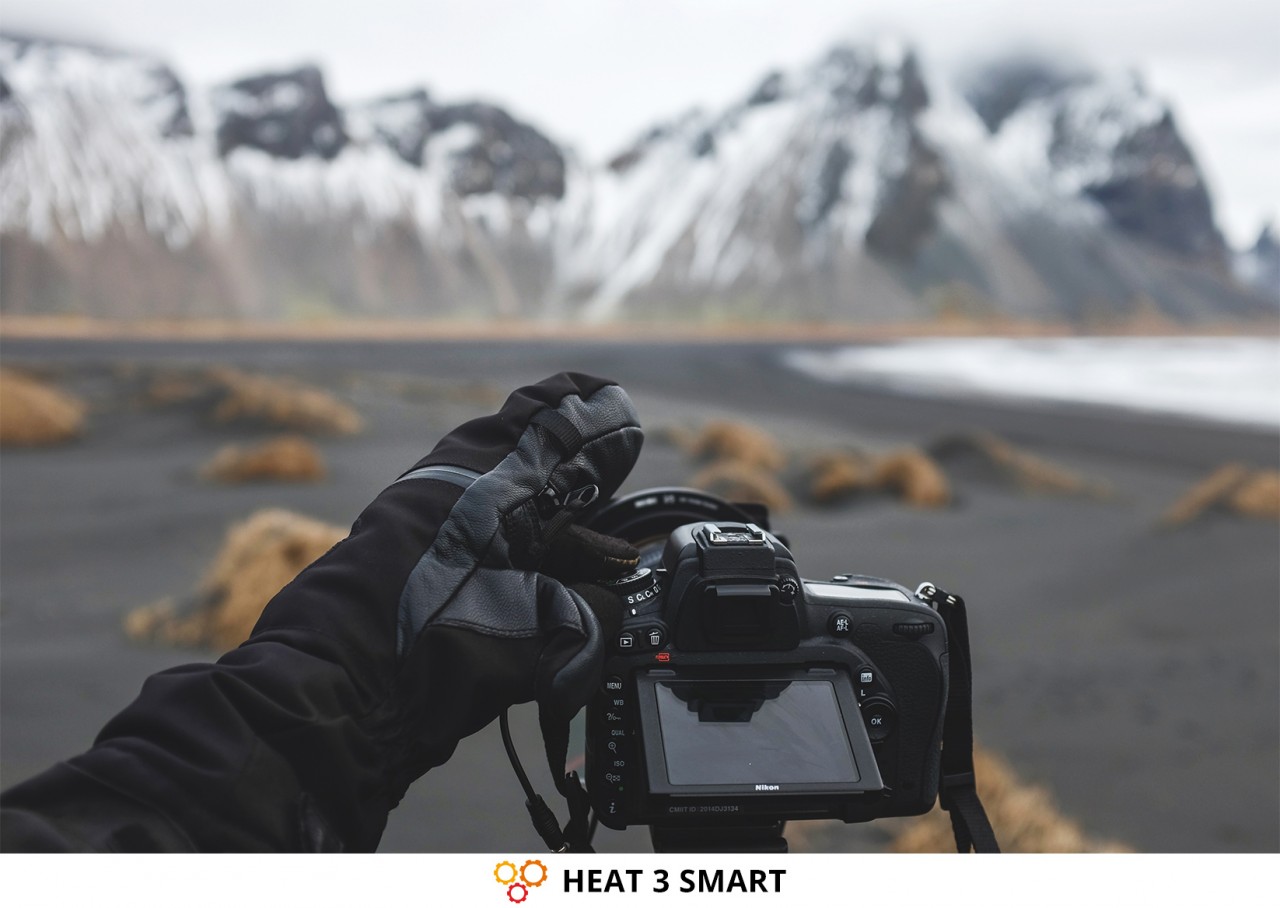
(33, 413)
(1024, 818)
(168, 388)
(282, 402)
(286, 458)
(237, 396)
(682, 438)
(914, 477)
(1213, 489)
(1258, 496)
(258, 557)
(836, 475)
(739, 481)
(1233, 487)
(1028, 472)
(741, 443)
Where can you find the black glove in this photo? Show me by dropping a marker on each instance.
(364, 672)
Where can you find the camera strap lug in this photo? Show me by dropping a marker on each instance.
(957, 789)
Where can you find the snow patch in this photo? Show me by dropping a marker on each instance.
(1233, 380)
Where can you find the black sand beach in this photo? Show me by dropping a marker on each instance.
(1133, 671)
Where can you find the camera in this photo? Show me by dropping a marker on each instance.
(737, 693)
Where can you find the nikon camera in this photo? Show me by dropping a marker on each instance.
(738, 693)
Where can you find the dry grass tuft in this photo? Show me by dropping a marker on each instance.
(286, 458)
(33, 413)
(1214, 489)
(258, 557)
(835, 475)
(1028, 472)
(914, 477)
(1233, 487)
(1024, 818)
(722, 440)
(167, 388)
(1258, 496)
(682, 438)
(740, 481)
(283, 402)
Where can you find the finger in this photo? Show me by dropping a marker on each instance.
(579, 554)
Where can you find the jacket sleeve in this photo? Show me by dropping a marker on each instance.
(292, 742)
(368, 668)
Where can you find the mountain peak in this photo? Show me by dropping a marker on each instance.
(852, 188)
(286, 114)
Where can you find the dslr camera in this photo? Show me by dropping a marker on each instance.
(738, 694)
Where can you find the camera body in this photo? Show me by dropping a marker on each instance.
(738, 693)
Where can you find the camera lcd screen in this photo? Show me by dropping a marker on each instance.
(743, 732)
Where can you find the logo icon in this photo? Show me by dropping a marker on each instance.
(531, 874)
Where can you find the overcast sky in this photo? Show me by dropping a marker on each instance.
(594, 73)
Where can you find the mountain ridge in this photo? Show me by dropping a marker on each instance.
(854, 189)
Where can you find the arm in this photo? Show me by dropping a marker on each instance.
(415, 631)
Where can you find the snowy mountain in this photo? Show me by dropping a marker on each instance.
(1259, 265)
(856, 188)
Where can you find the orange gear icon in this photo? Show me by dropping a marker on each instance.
(511, 892)
(524, 873)
(499, 876)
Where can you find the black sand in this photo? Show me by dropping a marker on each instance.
(1131, 670)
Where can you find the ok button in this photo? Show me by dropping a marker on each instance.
(880, 718)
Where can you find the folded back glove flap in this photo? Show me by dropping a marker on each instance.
(415, 631)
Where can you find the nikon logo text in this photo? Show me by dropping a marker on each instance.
(768, 787)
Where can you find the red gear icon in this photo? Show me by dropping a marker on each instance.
(511, 892)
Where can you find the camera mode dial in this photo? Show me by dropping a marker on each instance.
(637, 591)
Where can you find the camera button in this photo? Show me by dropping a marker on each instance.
(840, 624)
(655, 637)
(613, 684)
(626, 641)
(880, 718)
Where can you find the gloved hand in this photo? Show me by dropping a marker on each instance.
(415, 631)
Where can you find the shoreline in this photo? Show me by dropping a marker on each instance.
(28, 327)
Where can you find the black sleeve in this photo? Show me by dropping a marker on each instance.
(306, 736)
(289, 743)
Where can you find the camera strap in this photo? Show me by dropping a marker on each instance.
(577, 832)
(957, 791)
(576, 835)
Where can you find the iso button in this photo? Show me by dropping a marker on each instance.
(880, 718)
